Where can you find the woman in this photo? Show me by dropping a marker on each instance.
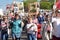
(31, 30)
(4, 27)
(16, 26)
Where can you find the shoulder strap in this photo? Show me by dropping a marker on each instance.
(30, 27)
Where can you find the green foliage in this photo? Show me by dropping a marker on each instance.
(47, 0)
(46, 5)
(43, 4)
(44, 0)
(30, 1)
(33, 10)
(26, 4)
(33, 5)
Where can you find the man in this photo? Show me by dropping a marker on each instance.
(56, 27)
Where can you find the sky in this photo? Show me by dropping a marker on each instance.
(3, 3)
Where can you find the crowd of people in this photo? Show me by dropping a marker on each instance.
(13, 24)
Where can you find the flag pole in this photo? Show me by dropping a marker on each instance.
(54, 4)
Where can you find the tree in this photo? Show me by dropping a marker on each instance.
(29, 1)
(44, 0)
(47, 0)
(45, 5)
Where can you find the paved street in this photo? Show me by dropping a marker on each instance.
(24, 36)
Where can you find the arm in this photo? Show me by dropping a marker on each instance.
(10, 24)
(22, 24)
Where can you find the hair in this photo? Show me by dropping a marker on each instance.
(16, 15)
(4, 17)
(47, 16)
(44, 13)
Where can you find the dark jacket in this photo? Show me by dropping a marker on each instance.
(41, 19)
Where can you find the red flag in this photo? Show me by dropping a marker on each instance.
(58, 4)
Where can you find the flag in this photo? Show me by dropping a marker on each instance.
(58, 4)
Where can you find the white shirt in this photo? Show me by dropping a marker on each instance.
(56, 29)
(34, 28)
(21, 15)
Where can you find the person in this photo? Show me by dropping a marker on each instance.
(40, 18)
(16, 26)
(35, 20)
(56, 27)
(4, 28)
(44, 15)
(31, 30)
(44, 31)
(25, 20)
(49, 28)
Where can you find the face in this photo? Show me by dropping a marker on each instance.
(17, 17)
(5, 18)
